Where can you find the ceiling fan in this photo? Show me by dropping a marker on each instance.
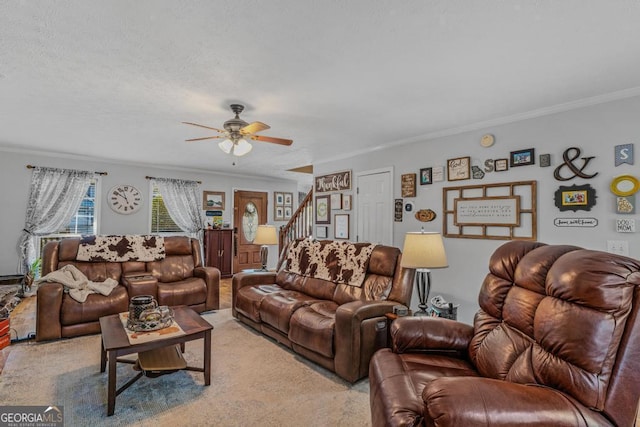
(237, 131)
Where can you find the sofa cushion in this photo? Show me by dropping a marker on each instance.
(190, 291)
(249, 298)
(313, 327)
(173, 268)
(276, 308)
(96, 306)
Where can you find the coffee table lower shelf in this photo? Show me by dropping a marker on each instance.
(157, 356)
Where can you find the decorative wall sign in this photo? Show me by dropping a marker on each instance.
(338, 181)
(545, 160)
(459, 168)
(438, 173)
(626, 205)
(426, 176)
(575, 222)
(398, 210)
(569, 155)
(341, 226)
(523, 157)
(625, 185)
(575, 198)
(323, 209)
(476, 172)
(502, 211)
(626, 225)
(425, 215)
(501, 165)
(489, 165)
(408, 185)
(624, 154)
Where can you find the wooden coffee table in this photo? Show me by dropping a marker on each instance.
(115, 343)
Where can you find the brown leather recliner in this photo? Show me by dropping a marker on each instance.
(178, 279)
(556, 342)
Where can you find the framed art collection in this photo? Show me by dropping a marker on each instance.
(282, 206)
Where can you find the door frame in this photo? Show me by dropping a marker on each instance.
(390, 171)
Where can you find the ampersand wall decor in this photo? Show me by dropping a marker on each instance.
(568, 162)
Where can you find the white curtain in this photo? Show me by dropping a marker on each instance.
(54, 198)
(182, 200)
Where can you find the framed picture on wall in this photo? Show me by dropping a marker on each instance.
(287, 212)
(278, 214)
(278, 198)
(341, 226)
(322, 232)
(323, 209)
(426, 176)
(459, 168)
(501, 165)
(212, 200)
(336, 201)
(288, 199)
(346, 202)
(523, 157)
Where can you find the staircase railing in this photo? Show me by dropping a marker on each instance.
(301, 223)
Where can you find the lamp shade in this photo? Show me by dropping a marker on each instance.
(242, 147)
(423, 250)
(226, 146)
(266, 235)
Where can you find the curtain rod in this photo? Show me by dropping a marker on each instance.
(97, 173)
(153, 177)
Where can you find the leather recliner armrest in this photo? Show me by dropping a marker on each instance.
(429, 333)
(492, 402)
(358, 328)
(211, 277)
(48, 308)
(240, 280)
(140, 285)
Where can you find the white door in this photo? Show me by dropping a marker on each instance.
(374, 206)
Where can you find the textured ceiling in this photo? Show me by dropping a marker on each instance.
(115, 79)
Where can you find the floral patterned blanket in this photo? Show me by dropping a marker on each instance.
(338, 262)
(121, 248)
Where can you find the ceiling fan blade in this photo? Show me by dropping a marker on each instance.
(254, 128)
(280, 141)
(203, 126)
(202, 139)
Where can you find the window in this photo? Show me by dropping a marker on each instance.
(85, 221)
(161, 221)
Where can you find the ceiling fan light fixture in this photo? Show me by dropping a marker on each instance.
(226, 146)
(242, 147)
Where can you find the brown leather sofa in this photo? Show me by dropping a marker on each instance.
(335, 325)
(178, 279)
(556, 342)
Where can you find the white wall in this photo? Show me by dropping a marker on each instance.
(15, 180)
(594, 129)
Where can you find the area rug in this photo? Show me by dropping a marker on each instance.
(254, 381)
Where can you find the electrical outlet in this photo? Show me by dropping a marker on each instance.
(618, 247)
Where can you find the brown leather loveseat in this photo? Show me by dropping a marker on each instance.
(335, 324)
(177, 279)
(556, 342)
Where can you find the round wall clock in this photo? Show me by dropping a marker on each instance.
(124, 199)
(487, 140)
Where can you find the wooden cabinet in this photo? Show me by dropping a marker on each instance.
(218, 250)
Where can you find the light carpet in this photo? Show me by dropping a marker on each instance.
(254, 382)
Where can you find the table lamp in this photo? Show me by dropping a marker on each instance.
(422, 251)
(265, 235)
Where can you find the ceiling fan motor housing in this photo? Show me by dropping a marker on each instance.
(234, 125)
